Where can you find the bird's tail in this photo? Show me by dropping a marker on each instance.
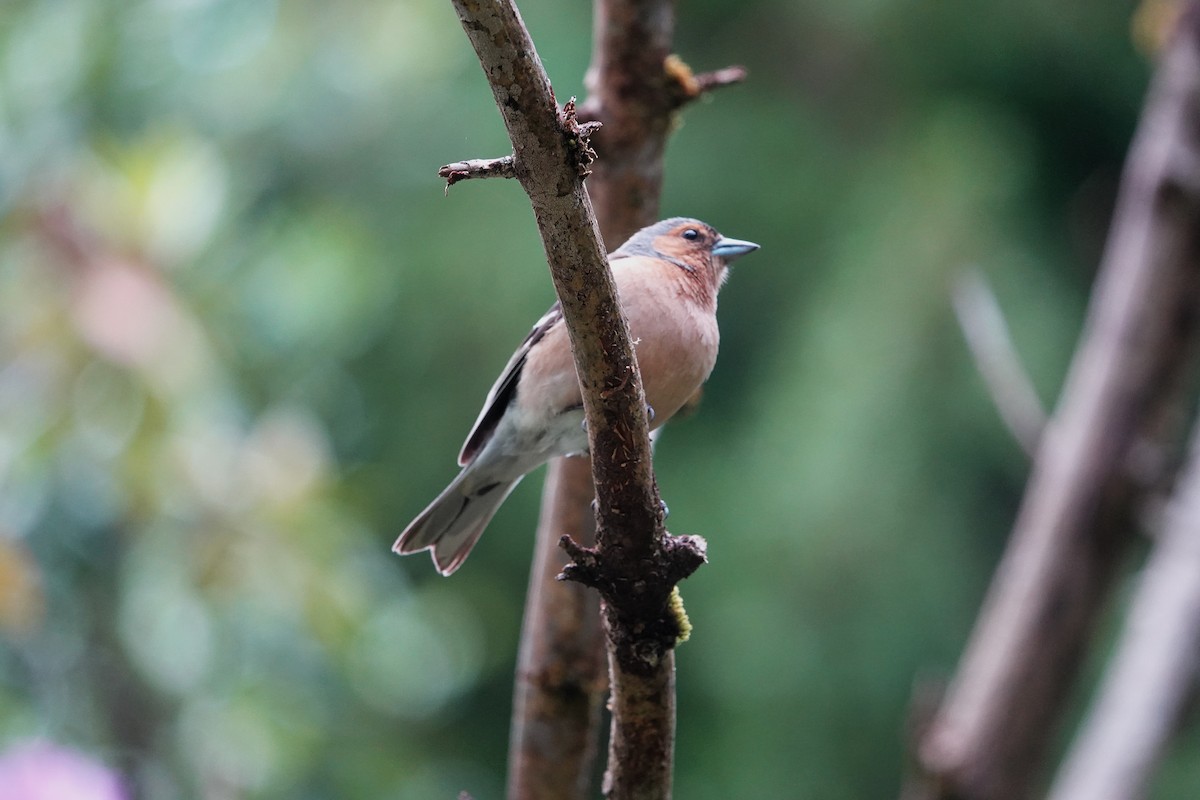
(453, 522)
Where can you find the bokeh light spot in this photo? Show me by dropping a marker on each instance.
(413, 656)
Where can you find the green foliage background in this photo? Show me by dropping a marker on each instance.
(242, 334)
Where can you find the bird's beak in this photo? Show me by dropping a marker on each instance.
(730, 249)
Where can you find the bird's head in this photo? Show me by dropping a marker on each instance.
(689, 244)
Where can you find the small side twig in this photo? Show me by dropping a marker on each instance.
(645, 625)
(689, 86)
(503, 167)
(578, 135)
(996, 358)
(720, 78)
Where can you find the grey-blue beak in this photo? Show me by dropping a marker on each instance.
(730, 249)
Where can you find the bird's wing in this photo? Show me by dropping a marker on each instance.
(505, 387)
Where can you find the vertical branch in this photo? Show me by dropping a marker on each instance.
(635, 87)
(561, 676)
(629, 90)
(631, 40)
(990, 736)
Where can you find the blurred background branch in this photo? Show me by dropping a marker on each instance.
(987, 335)
(1152, 674)
(991, 736)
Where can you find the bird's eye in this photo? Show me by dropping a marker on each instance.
(691, 234)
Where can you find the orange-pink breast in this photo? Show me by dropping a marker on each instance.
(674, 328)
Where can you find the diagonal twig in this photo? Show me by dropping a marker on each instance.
(983, 326)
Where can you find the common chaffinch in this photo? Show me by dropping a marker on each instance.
(667, 278)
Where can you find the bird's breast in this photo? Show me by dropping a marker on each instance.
(674, 330)
(676, 340)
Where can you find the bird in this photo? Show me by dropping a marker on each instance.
(667, 277)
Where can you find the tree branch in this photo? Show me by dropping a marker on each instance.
(503, 167)
(635, 86)
(638, 562)
(719, 79)
(992, 732)
(631, 43)
(684, 86)
(1155, 666)
(562, 675)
